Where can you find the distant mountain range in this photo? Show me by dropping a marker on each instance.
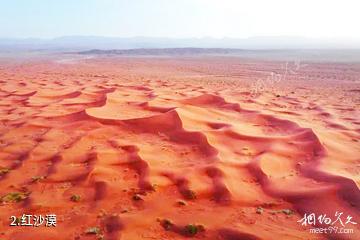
(83, 43)
(165, 51)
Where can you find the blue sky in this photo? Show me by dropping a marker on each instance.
(180, 18)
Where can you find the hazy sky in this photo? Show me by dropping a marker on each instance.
(180, 18)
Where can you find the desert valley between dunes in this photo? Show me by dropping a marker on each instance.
(202, 147)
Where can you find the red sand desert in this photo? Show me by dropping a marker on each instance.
(178, 148)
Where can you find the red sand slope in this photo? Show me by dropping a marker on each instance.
(152, 145)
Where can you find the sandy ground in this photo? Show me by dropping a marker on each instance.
(175, 148)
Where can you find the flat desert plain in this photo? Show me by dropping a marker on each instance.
(202, 147)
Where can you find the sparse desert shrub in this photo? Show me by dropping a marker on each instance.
(192, 229)
(137, 197)
(189, 194)
(75, 198)
(166, 224)
(287, 211)
(14, 197)
(181, 203)
(4, 170)
(259, 210)
(93, 230)
(37, 178)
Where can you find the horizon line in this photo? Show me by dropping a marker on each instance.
(188, 37)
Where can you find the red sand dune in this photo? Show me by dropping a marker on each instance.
(152, 145)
